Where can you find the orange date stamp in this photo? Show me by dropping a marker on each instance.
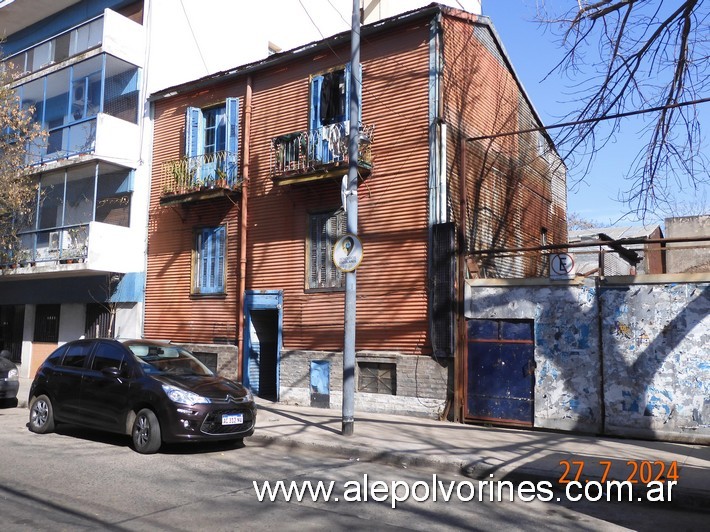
(636, 471)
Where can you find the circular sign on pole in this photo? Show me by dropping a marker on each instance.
(347, 253)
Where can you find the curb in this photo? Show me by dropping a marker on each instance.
(683, 498)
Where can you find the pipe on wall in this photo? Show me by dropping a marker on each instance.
(243, 228)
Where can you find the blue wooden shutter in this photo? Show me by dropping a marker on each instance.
(348, 70)
(232, 140)
(316, 84)
(347, 91)
(193, 132)
(212, 251)
(219, 258)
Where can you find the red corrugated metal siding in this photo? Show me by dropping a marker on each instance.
(391, 311)
(392, 209)
(509, 187)
(171, 311)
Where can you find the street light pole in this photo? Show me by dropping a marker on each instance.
(351, 213)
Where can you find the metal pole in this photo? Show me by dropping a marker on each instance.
(351, 213)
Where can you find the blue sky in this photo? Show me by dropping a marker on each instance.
(534, 52)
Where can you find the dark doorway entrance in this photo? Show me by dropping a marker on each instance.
(500, 371)
(12, 319)
(263, 343)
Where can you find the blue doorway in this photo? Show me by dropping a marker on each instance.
(500, 371)
(262, 345)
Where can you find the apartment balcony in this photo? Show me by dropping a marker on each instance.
(318, 154)
(73, 250)
(199, 178)
(94, 135)
(111, 33)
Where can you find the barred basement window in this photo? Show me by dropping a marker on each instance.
(377, 377)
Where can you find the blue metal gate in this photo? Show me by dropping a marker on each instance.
(500, 371)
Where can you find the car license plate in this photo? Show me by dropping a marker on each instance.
(232, 419)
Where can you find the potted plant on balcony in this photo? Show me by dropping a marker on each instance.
(183, 176)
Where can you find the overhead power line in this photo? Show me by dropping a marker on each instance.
(589, 120)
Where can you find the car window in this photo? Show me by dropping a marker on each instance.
(76, 355)
(109, 356)
(56, 356)
(168, 360)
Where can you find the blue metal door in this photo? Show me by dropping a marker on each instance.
(262, 342)
(500, 371)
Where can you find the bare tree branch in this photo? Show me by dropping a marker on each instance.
(628, 54)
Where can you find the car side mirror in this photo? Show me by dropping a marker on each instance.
(111, 371)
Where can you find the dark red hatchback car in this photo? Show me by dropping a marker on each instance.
(154, 391)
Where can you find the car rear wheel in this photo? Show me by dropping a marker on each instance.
(146, 432)
(41, 415)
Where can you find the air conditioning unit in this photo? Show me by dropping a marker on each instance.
(53, 241)
(78, 102)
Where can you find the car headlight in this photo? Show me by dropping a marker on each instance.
(12, 375)
(249, 396)
(178, 395)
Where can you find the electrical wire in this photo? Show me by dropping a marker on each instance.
(590, 120)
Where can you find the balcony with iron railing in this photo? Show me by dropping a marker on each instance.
(93, 246)
(319, 153)
(201, 177)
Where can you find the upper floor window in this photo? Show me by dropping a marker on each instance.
(211, 141)
(58, 48)
(329, 97)
(325, 229)
(209, 260)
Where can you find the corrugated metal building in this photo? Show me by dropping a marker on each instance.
(246, 206)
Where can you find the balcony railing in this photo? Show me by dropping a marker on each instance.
(64, 245)
(94, 246)
(321, 151)
(190, 177)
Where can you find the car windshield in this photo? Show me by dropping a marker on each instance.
(168, 360)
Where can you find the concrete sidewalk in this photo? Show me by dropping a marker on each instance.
(480, 452)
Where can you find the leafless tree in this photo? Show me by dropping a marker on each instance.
(628, 56)
(576, 221)
(18, 193)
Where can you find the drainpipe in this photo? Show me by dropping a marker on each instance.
(461, 344)
(243, 229)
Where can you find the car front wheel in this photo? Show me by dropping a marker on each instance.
(41, 415)
(146, 432)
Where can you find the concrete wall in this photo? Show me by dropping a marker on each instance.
(421, 382)
(656, 341)
(567, 378)
(644, 372)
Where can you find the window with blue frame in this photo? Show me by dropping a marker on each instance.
(209, 264)
(211, 142)
(329, 115)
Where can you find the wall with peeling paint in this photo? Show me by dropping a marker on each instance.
(656, 342)
(567, 378)
(624, 359)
